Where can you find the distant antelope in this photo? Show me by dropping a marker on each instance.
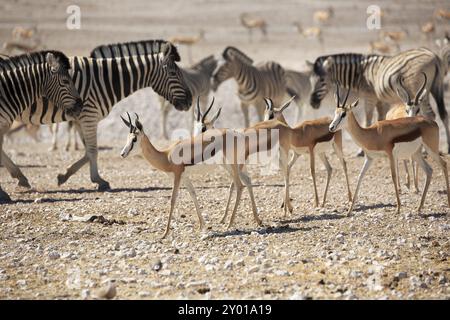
(397, 139)
(167, 161)
(251, 23)
(428, 29)
(20, 32)
(188, 41)
(10, 46)
(394, 36)
(443, 14)
(323, 16)
(310, 32)
(379, 46)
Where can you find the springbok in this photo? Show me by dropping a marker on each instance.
(398, 139)
(251, 23)
(173, 160)
(409, 108)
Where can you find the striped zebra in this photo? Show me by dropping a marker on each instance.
(23, 80)
(110, 74)
(198, 80)
(255, 82)
(298, 83)
(375, 79)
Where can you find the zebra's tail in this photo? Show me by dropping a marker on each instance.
(437, 91)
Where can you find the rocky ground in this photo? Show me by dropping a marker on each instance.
(48, 251)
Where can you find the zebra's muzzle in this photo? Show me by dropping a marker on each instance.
(76, 109)
(315, 102)
(182, 104)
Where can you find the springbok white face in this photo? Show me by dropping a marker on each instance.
(412, 106)
(340, 114)
(271, 112)
(134, 136)
(201, 124)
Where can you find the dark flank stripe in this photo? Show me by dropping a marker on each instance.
(99, 92)
(116, 79)
(85, 73)
(32, 111)
(107, 84)
(44, 109)
(126, 78)
(134, 73)
(141, 71)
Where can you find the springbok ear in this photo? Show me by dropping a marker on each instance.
(52, 61)
(421, 96)
(216, 116)
(138, 125)
(354, 104)
(269, 103)
(328, 64)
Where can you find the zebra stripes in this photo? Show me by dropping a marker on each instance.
(255, 82)
(23, 80)
(375, 79)
(107, 77)
(198, 80)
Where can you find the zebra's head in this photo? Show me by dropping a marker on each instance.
(227, 62)
(171, 84)
(320, 80)
(340, 113)
(412, 106)
(201, 124)
(134, 136)
(59, 87)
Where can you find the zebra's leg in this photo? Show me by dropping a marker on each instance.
(4, 197)
(69, 136)
(164, 112)
(75, 135)
(54, 131)
(14, 171)
(89, 137)
(244, 108)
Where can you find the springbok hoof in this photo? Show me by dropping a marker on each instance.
(360, 153)
(104, 186)
(61, 179)
(24, 184)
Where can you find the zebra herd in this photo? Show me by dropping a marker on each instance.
(47, 87)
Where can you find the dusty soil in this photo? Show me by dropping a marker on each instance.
(312, 253)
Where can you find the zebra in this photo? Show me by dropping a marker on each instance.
(255, 82)
(110, 74)
(375, 79)
(23, 80)
(299, 85)
(198, 80)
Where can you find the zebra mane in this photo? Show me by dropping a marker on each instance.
(238, 54)
(209, 61)
(126, 49)
(341, 58)
(32, 58)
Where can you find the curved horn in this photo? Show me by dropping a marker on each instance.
(199, 112)
(209, 109)
(403, 89)
(125, 121)
(129, 119)
(337, 97)
(137, 117)
(286, 104)
(422, 88)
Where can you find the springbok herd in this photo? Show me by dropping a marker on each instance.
(47, 87)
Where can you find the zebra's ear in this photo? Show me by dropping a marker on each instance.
(327, 64)
(52, 61)
(170, 52)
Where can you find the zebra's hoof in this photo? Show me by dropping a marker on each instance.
(24, 184)
(61, 179)
(104, 186)
(360, 153)
(4, 197)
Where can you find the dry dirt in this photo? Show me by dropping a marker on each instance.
(312, 253)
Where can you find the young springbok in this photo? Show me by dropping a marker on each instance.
(312, 137)
(409, 108)
(184, 154)
(398, 139)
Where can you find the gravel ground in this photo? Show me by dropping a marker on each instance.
(312, 253)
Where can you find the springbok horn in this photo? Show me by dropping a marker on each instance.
(287, 103)
(338, 98)
(129, 119)
(346, 97)
(207, 110)
(419, 93)
(199, 113)
(125, 121)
